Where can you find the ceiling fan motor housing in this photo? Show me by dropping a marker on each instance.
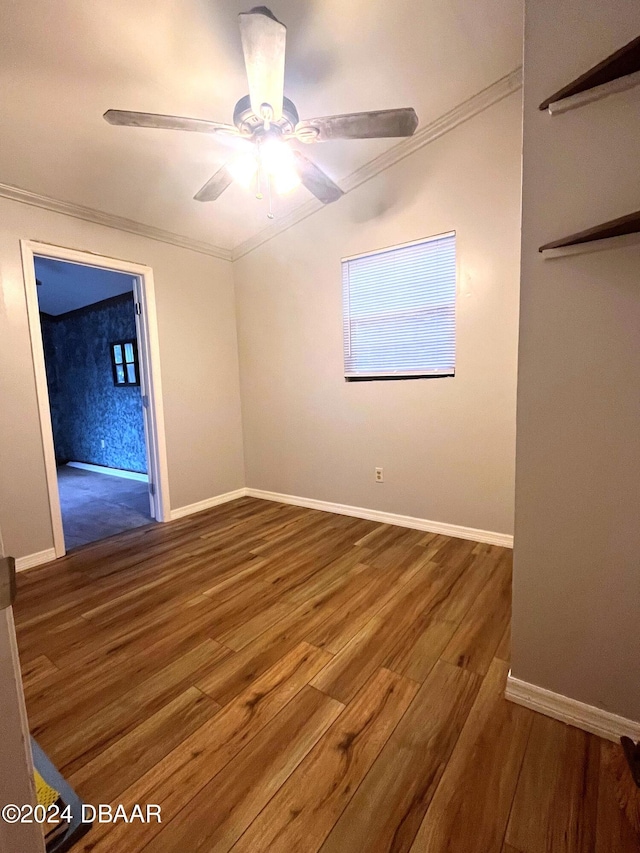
(248, 122)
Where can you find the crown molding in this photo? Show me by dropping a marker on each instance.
(109, 220)
(479, 102)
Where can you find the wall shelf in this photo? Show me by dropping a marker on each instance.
(616, 73)
(629, 224)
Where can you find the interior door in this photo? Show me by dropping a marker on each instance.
(16, 764)
(149, 433)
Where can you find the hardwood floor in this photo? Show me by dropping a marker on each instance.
(282, 679)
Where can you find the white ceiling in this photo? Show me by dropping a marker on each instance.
(64, 63)
(63, 286)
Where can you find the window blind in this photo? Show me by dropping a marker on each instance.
(399, 310)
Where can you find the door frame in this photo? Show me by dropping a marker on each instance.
(149, 349)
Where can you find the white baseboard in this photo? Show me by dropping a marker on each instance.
(454, 530)
(457, 531)
(182, 511)
(38, 559)
(113, 472)
(587, 717)
(472, 533)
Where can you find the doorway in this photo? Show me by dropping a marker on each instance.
(94, 343)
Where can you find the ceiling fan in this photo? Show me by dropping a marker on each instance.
(264, 122)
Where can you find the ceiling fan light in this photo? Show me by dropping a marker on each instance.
(276, 155)
(278, 161)
(243, 169)
(285, 180)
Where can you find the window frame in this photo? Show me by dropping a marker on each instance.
(124, 362)
(346, 316)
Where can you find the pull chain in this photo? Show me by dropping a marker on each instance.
(270, 213)
(263, 175)
(259, 180)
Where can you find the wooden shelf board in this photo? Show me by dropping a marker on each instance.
(620, 64)
(629, 224)
(573, 102)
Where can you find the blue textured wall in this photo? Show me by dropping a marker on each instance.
(86, 407)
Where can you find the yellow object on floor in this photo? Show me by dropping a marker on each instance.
(47, 795)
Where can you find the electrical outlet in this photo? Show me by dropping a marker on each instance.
(102, 443)
(379, 475)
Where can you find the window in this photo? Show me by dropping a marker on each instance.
(399, 310)
(124, 362)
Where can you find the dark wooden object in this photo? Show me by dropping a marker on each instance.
(632, 753)
(621, 63)
(629, 224)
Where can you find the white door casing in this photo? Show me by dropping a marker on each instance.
(150, 377)
(146, 390)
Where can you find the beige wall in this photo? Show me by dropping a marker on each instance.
(576, 622)
(198, 353)
(446, 445)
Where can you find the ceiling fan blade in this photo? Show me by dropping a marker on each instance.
(215, 186)
(263, 44)
(315, 180)
(370, 125)
(133, 119)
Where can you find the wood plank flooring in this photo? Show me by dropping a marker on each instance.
(281, 679)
